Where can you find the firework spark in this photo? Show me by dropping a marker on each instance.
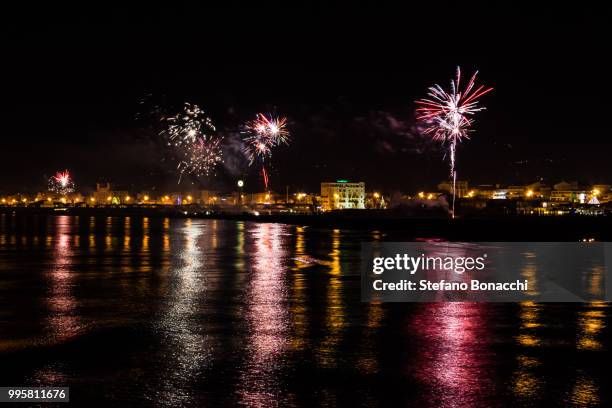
(188, 126)
(193, 141)
(264, 133)
(61, 183)
(448, 115)
(201, 157)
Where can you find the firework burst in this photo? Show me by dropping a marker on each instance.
(61, 183)
(193, 141)
(201, 157)
(448, 115)
(188, 126)
(263, 134)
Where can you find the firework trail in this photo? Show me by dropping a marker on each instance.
(61, 183)
(187, 126)
(263, 134)
(448, 115)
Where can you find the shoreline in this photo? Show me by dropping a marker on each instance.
(490, 228)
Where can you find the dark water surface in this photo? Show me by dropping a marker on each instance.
(181, 312)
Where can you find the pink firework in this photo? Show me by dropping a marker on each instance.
(61, 183)
(62, 177)
(264, 133)
(448, 115)
(273, 129)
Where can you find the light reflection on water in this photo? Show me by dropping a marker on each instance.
(208, 313)
(63, 321)
(187, 347)
(266, 317)
(454, 355)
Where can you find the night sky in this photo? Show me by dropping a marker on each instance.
(346, 76)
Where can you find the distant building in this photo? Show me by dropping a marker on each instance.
(104, 194)
(342, 195)
(568, 193)
(461, 187)
(376, 200)
(267, 197)
(207, 197)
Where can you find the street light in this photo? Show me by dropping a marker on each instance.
(240, 185)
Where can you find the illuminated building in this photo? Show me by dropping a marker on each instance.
(107, 195)
(461, 187)
(206, 197)
(267, 197)
(342, 195)
(568, 193)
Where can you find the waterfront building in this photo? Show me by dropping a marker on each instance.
(568, 193)
(461, 187)
(342, 195)
(207, 197)
(376, 200)
(106, 194)
(268, 197)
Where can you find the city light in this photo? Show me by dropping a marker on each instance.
(529, 193)
(376, 195)
(240, 183)
(146, 198)
(596, 192)
(421, 194)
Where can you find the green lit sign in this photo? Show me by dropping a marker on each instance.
(341, 181)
